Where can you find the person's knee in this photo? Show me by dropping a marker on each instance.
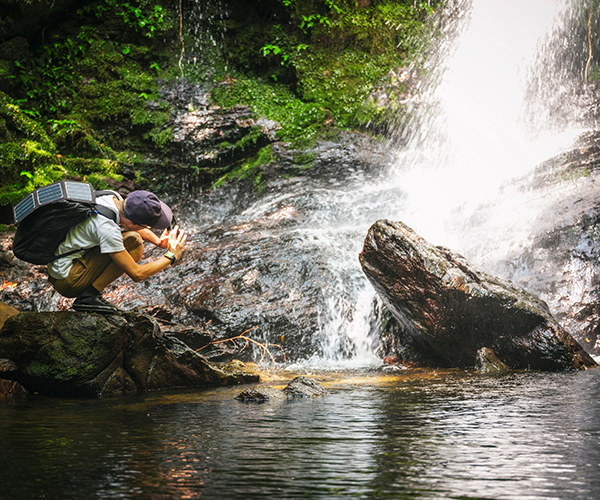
(134, 244)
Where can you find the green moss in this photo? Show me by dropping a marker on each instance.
(300, 121)
(250, 169)
(91, 166)
(318, 62)
(16, 123)
(86, 100)
(97, 92)
(306, 158)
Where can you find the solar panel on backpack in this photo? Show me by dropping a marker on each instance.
(63, 190)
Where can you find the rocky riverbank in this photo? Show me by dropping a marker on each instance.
(72, 354)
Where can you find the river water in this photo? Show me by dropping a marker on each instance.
(412, 434)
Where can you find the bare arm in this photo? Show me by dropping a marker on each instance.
(148, 235)
(139, 272)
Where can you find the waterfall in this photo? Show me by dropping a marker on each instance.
(450, 180)
(460, 141)
(478, 138)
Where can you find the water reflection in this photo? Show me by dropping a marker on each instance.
(417, 434)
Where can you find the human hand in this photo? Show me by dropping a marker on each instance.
(163, 241)
(176, 241)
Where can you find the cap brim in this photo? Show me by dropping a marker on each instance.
(165, 217)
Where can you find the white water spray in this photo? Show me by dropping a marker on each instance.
(473, 144)
(466, 139)
(485, 141)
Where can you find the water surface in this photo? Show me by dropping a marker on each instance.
(414, 434)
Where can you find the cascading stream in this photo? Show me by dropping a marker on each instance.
(449, 179)
(472, 140)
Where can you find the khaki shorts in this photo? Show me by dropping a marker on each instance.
(90, 266)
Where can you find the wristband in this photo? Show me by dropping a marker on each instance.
(171, 256)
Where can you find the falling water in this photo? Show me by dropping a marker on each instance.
(466, 138)
(478, 139)
(451, 180)
(470, 140)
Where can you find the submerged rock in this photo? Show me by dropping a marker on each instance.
(90, 355)
(488, 362)
(300, 387)
(447, 310)
(261, 395)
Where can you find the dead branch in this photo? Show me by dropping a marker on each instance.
(263, 348)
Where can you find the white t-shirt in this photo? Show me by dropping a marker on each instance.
(93, 232)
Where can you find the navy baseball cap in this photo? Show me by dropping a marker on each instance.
(144, 208)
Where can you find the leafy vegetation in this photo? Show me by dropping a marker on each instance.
(80, 95)
(325, 53)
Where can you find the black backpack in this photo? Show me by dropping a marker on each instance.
(44, 217)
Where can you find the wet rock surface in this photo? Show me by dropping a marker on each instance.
(300, 387)
(447, 311)
(208, 141)
(90, 355)
(560, 259)
(304, 387)
(253, 262)
(488, 362)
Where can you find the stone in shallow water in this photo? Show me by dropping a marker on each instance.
(488, 362)
(300, 387)
(304, 387)
(261, 395)
(447, 310)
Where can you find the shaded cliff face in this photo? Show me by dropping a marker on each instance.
(448, 311)
(550, 245)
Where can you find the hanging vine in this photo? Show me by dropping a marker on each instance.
(181, 36)
(589, 59)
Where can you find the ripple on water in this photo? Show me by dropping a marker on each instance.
(428, 433)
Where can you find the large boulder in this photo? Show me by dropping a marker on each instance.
(448, 311)
(90, 355)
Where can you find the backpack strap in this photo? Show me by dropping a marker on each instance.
(106, 212)
(104, 192)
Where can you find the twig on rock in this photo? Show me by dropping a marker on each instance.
(247, 340)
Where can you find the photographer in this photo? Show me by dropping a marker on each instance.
(109, 249)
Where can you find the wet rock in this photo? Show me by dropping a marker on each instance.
(300, 387)
(447, 310)
(255, 261)
(304, 387)
(90, 355)
(395, 361)
(208, 140)
(488, 362)
(7, 366)
(262, 395)
(238, 368)
(9, 388)
(560, 262)
(6, 312)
